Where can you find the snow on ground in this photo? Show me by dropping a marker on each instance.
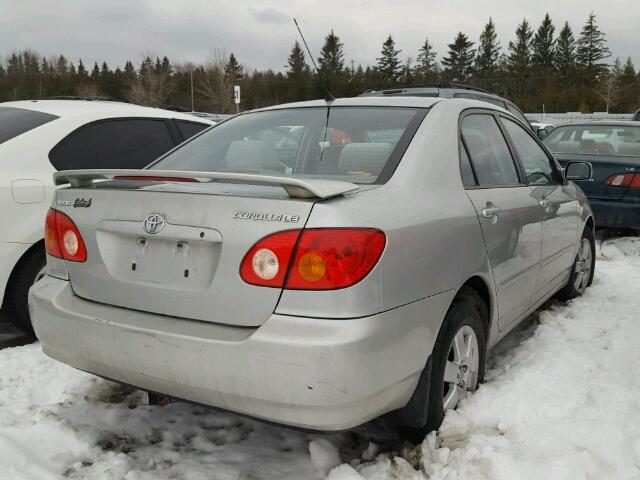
(561, 401)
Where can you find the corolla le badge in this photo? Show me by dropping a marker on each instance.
(154, 223)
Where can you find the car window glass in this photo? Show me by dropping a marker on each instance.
(489, 152)
(16, 121)
(357, 144)
(466, 172)
(516, 111)
(189, 129)
(536, 163)
(121, 143)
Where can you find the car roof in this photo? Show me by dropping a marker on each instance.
(98, 108)
(433, 90)
(395, 101)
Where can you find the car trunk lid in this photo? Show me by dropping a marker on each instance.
(603, 168)
(175, 248)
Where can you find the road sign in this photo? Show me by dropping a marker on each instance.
(236, 94)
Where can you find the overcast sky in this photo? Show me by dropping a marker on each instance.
(261, 32)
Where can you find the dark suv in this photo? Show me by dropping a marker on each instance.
(450, 90)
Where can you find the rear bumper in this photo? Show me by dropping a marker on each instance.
(311, 373)
(616, 214)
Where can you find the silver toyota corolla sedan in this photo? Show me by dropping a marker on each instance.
(315, 264)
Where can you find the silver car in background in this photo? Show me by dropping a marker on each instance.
(316, 264)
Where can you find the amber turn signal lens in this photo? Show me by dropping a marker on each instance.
(312, 267)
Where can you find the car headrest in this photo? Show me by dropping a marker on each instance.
(569, 147)
(365, 158)
(628, 148)
(251, 155)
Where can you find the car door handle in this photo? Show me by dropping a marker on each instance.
(491, 212)
(545, 203)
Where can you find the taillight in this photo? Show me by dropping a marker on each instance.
(313, 259)
(62, 238)
(266, 263)
(623, 180)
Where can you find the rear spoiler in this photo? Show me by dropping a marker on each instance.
(295, 187)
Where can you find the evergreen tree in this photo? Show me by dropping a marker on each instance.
(543, 46)
(95, 73)
(82, 71)
(425, 63)
(298, 73)
(129, 71)
(592, 49)
(331, 64)
(165, 66)
(459, 61)
(233, 70)
(565, 52)
(519, 58)
(62, 66)
(488, 51)
(628, 74)
(389, 64)
(296, 61)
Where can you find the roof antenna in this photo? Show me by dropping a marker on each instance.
(328, 96)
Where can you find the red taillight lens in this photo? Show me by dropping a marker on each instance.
(622, 180)
(332, 258)
(62, 238)
(313, 259)
(266, 263)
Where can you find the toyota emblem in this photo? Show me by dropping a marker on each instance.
(154, 223)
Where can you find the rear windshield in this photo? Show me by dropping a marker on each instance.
(617, 141)
(356, 144)
(16, 121)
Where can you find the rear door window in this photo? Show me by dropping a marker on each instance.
(516, 111)
(536, 163)
(118, 143)
(490, 155)
(16, 121)
(189, 129)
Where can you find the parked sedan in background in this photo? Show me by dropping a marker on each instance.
(613, 148)
(39, 137)
(316, 264)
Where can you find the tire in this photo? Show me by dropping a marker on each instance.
(463, 321)
(28, 271)
(583, 268)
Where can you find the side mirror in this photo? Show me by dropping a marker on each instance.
(542, 133)
(578, 171)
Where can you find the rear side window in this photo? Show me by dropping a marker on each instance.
(516, 111)
(189, 129)
(16, 121)
(356, 144)
(118, 143)
(536, 163)
(490, 155)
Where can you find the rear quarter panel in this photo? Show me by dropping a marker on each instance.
(434, 242)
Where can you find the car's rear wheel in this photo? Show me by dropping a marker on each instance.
(31, 268)
(457, 364)
(583, 267)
